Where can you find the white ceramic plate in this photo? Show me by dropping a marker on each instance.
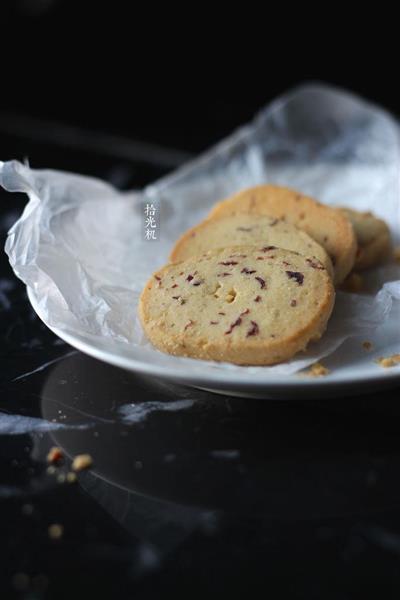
(359, 375)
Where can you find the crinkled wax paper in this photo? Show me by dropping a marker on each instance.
(79, 244)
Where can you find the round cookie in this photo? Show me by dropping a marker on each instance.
(247, 229)
(373, 238)
(327, 226)
(247, 305)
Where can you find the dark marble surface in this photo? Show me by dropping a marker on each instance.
(190, 493)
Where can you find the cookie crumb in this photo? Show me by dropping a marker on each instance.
(71, 477)
(353, 283)
(55, 531)
(55, 455)
(388, 361)
(367, 345)
(317, 370)
(81, 462)
(396, 254)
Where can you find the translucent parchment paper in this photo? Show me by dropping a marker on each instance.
(79, 244)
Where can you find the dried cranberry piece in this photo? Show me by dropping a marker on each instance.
(237, 322)
(293, 303)
(315, 264)
(257, 299)
(189, 277)
(174, 286)
(266, 248)
(234, 324)
(247, 271)
(228, 263)
(299, 277)
(254, 329)
(261, 281)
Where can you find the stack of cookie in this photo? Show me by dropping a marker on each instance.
(254, 283)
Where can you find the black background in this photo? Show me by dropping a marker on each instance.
(183, 78)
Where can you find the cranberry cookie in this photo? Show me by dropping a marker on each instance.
(373, 238)
(327, 226)
(247, 229)
(249, 305)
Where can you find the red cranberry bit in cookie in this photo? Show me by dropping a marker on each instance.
(234, 324)
(257, 299)
(189, 278)
(247, 271)
(266, 248)
(315, 264)
(261, 282)
(293, 303)
(174, 286)
(254, 329)
(237, 322)
(299, 277)
(228, 263)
